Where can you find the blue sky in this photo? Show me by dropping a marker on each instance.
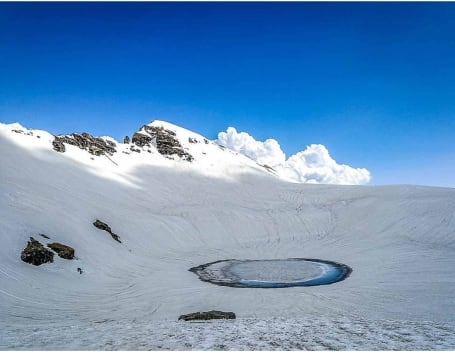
(373, 82)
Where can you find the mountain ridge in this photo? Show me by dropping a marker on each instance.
(162, 140)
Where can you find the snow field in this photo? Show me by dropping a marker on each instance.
(239, 335)
(173, 215)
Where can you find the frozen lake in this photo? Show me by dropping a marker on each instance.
(279, 273)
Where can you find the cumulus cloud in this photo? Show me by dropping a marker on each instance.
(312, 165)
(268, 152)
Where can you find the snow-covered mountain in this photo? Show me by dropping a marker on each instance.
(176, 200)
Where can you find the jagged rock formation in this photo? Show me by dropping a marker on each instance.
(36, 254)
(63, 251)
(58, 145)
(141, 140)
(103, 226)
(164, 140)
(209, 315)
(95, 145)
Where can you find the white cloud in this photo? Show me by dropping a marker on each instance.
(268, 152)
(312, 165)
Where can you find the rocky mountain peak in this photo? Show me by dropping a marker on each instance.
(165, 140)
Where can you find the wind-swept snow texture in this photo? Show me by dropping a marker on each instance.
(172, 215)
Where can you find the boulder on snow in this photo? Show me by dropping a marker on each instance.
(126, 140)
(63, 251)
(209, 315)
(36, 254)
(103, 226)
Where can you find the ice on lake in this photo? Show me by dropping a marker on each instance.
(280, 273)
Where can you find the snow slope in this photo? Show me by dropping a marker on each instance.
(172, 215)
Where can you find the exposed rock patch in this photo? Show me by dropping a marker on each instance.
(164, 140)
(58, 145)
(126, 140)
(209, 315)
(28, 133)
(103, 226)
(95, 145)
(63, 251)
(270, 169)
(36, 254)
(141, 139)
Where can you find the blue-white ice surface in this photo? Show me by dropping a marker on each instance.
(278, 273)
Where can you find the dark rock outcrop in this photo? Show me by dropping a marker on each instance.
(63, 251)
(36, 254)
(58, 145)
(95, 145)
(164, 140)
(141, 140)
(126, 140)
(28, 133)
(103, 226)
(209, 315)
(266, 166)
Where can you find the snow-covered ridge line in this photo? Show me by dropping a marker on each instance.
(158, 144)
(230, 154)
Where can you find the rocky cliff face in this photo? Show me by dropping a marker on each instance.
(163, 139)
(95, 145)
